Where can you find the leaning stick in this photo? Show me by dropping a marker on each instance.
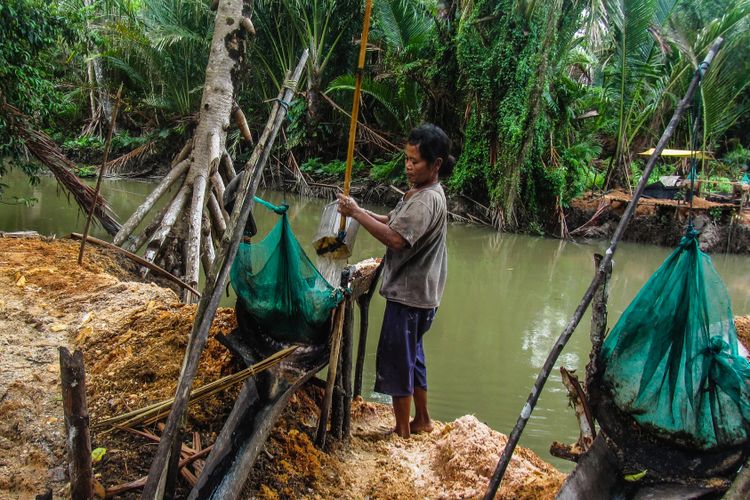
(107, 145)
(165, 460)
(549, 364)
(136, 258)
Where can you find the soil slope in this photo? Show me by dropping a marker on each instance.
(133, 336)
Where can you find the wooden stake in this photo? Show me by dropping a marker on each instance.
(346, 368)
(364, 320)
(557, 348)
(103, 168)
(333, 361)
(597, 333)
(78, 443)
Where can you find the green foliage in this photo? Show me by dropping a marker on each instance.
(86, 171)
(737, 157)
(578, 163)
(335, 168)
(391, 171)
(84, 142)
(720, 184)
(506, 57)
(159, 49)
(32, 35)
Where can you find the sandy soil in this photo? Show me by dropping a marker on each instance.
(133, 336)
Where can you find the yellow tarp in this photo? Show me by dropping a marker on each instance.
(680, 153)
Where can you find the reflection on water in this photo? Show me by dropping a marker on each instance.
(507, 299)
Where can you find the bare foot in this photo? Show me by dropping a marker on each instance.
(419, 427)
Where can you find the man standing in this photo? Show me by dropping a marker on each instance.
(414, 273)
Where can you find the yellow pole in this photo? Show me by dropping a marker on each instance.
(355, 105)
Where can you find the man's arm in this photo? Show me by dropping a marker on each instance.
(376, 225)
(380, 218)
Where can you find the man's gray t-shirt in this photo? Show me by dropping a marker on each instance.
(415, 275)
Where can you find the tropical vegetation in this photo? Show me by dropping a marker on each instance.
(543, 100)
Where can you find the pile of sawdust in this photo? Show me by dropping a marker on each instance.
(466, 454)
(137, 362)
(742, 324)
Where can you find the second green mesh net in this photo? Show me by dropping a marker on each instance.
(281, 289)
(672, 360)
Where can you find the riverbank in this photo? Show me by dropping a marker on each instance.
(594, 216)
(133, 336)
(661, 222)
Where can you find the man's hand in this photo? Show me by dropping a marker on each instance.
(347, 206)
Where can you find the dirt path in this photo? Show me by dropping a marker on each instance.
(133, 336)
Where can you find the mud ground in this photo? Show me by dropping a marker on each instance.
(133, 335)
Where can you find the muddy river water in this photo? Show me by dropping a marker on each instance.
(507, 299)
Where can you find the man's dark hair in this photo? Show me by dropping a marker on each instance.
(433, 143)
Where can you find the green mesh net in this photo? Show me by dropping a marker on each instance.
(672, 361)
(280, 288)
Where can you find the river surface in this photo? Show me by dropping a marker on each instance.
(507, 299)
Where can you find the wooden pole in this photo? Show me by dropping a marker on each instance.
(364, 320)
(165, 461)
(346, 368)
(338, 328)
(557, 348)
(337, 406)
(78, 443)
(597, 332)
(107, 144)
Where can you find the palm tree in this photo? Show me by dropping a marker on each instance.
(293, 25)
(160, 48)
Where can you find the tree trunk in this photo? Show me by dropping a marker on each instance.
(208, 147)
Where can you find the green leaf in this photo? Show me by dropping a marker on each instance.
(97, 455)
(635, 477)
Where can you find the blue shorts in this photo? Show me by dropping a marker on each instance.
(400, 364)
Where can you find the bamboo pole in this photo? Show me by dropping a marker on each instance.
(158, 410)
(355, 106)
(127, 229)
(103, 168)
(165, 461)
(78, 443)
(536, 390)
